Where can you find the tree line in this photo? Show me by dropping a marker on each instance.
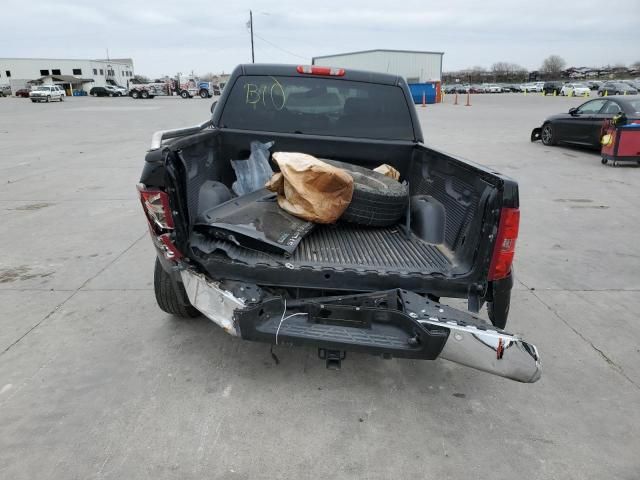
(505, 72)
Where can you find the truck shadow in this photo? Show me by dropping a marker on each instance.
(199, 343)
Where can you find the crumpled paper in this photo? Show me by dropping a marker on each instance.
(310, 188)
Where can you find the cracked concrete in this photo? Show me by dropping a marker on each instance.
(96, 382)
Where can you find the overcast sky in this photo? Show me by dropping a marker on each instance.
(165, 37)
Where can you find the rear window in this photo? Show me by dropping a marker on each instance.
(318, 106)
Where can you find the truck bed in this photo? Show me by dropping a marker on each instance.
(341, 247)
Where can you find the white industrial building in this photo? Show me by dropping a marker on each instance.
(71, 74)
(414, 66)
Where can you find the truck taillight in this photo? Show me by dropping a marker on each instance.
(505, 246)
(315, 70)
(155, 204)
(169, 248)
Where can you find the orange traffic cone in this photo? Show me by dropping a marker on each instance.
(424, 100)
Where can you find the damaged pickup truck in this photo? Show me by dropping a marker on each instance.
(373, 286)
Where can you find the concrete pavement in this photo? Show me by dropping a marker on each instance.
(97, 382)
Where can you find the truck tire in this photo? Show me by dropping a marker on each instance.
(134, 94)
(144, 94)
(184, 94)
(204, 93)
(166, 296)
(378, 200)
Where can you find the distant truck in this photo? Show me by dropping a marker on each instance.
(148, 90)
(186, 87)
(190, 87)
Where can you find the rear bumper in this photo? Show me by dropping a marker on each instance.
(391, 323)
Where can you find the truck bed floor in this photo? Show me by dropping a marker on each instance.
(346, 247)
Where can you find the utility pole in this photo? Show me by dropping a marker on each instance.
(253, 60)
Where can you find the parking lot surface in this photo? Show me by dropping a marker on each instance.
(97, 382)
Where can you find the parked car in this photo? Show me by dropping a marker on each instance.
(593, 84)
(117, 89)
(583, 125)
(575, 90)
(22, 92)
(373, 289)
(616, 88)
(514, 87)
(107, 91)
(5, 90)
(635, 84)
(532, 87)
(491, 88)
(463, 88)
(46, 93)
(551, 88)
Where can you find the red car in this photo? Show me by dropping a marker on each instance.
(23, 92)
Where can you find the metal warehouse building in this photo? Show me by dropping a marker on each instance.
(72, 74)
(414, 66)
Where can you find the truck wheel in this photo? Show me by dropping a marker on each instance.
(204, 93)
(144, 94)
(184, 94)
(166, 296)
(377, 201)
(135, 94)
(548, 135)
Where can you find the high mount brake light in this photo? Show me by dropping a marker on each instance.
(156, 205)
(505, 246)
(315, 70)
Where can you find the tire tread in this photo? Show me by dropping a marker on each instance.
(166, 296)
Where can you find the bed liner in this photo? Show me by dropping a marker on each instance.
(343, 247)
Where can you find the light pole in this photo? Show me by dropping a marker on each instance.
(251, 28)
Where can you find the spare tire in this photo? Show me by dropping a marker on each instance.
(378, 200)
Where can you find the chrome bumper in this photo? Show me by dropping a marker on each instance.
(471, 342)
(214, 302)
(491, 351)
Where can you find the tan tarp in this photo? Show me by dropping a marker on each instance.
(310, 188)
